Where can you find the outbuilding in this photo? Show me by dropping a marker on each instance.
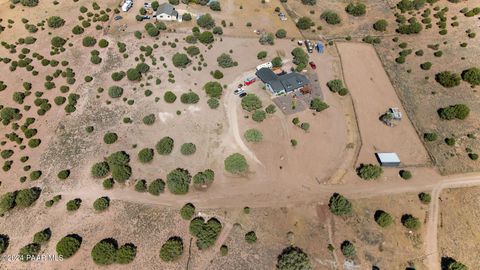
(388, 159)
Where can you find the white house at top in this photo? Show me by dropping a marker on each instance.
(167, 12)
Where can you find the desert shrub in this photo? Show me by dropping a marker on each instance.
(165, 146)
(189, 98)
(108, 183)
(110, 137)
(383, 218)
(28, 252)
(262, 55)
(412, 27)
(251, 237)
(335, 85)
(133, 74)
(270, 109)
(169, 97)
(4, 242)
(89, 41)
(331, 17)
(430, 136)
(309, 2)
(369, 171)
(405, 174)
(145, 155)
(42, 236)
(304, 23)
(318, 105)
(410, 222)
(205, 37)
(205, 232)
(203, 179)
(117, 76)
(100, 169)
(226, 61)
(188, 149)
(34, 175)
(472, 76)
(236, 164)
(187, 211)
(457, 111)
(57, 42)
(448, 79)
(141, 185)
(339, 205)
(450, 141)
(178, 181)
(193, 50)
(103, 43)
(74, 205)
(63, 174)
(408, 5)
(104, 252)
(425, 197)
(281, 33)
(213, 89)
(156, 187)
(267, 39)
(68, 245)
(55, 22)
(29, 3)
(356, 10)
(293, 258)
(26, 197)
(213, 103)
(426, 65)
(206, 21)
(142, 68)
(115, 91)
(77, 30)
(187, 17)
(180, 60)
(348, 249)
(253, 135)
(259, 116)
(149, 119)
(251, 102)
(380, 25)
(172, 249)
(126, 254)
(101, 203)
(7, 202)
(223, 250)
(217, 74)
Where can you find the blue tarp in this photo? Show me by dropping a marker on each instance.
(319, 47)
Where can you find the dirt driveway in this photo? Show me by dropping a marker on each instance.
(372, 95)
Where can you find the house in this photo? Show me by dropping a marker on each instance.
(388, 159)
(127, 5)
(283, 83)
(167, 12)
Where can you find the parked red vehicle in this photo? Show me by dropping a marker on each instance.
(250, 80)
(312, 65)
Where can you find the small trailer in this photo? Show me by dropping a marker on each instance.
(127, 5)
(388, 159)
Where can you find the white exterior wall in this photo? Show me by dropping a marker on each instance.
(165, 17)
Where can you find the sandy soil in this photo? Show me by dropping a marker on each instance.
(373, 94)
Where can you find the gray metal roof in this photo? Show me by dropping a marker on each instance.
(287, 82)
(167, 9)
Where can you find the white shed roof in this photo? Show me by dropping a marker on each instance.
(388, 157)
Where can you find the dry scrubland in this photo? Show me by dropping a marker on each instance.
(80, 121)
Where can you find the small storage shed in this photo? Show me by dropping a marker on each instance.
(388, 159)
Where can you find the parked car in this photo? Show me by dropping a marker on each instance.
(312, 65)
(145, 17)
(242, 94)
(116, 18)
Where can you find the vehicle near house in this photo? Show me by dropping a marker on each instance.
(242, 94)
(268, 65)
(250, 80)
(309, 46)
(282, 16)
(312, 65)
(167, 12)
(116, 18)
(146, 17)
(127, 5)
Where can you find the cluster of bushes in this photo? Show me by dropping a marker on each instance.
(336, 86)
(206, 21)
(300, 58)
(178, 181)
(448, 79)
(457, 111)
(318, 105)
(180, 60)
(189, 98)
(55, 22)
(267, 39)
(472, 76)
(253, 135)
(380, 25)
(304, 23)
(20, 198)
(172, 249)
(293, 258)
(213, 89)
(251, 102)
(107, 252)
(340, 205)
(356, 10)
(236, 164)
(371, 40)
(68, 245)
(226, 61)
(205, 232)
(412, 27)
(410, 222)
(203, 179)
(409, 5)
(188, 149)
(331, 17)
(117, 163)
(369, 171)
